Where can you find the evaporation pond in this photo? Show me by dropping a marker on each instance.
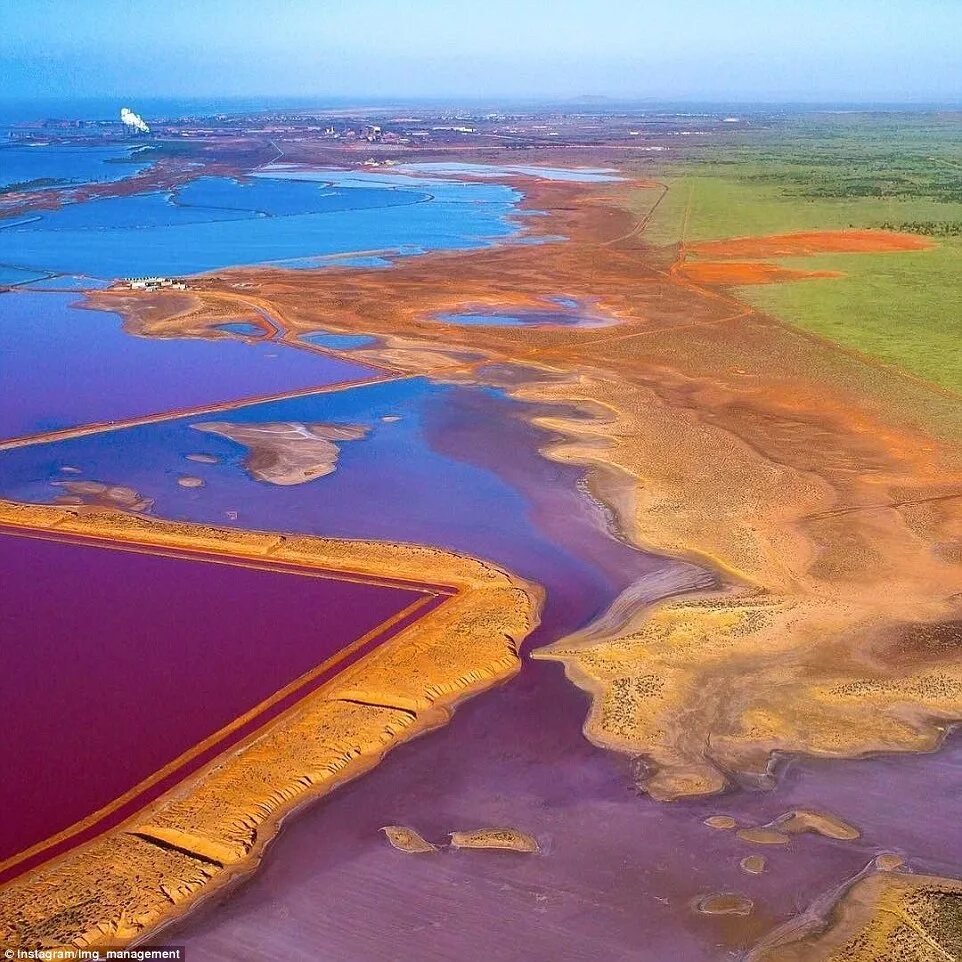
(216, 222)
(57, 165)
(244, 328)
(568, 313)
(119, 660)
(586, 175)
(63, 366)
(338, 342)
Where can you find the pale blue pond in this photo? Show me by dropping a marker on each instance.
(218, 222)
(494, 320)
(585, 175)
(339, 342)
(244, 328)
(568, 313)
(59, 165)
(367, 261)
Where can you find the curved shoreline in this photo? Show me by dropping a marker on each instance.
(716, 389)
(774, 539)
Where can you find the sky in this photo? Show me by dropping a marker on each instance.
(677, 50)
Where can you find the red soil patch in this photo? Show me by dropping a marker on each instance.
(811, 242)
(734, 273)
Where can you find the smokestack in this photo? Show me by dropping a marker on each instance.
(134, 121)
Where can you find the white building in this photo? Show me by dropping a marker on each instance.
(155, 283)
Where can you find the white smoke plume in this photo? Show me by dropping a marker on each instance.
(129, 119)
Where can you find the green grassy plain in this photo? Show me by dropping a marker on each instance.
(729, 203)
(903, 308)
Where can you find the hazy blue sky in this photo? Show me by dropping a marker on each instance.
(672, 49)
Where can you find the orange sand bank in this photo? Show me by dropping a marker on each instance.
(738, 273)
(811, 242)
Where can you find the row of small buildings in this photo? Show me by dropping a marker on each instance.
(155, 283)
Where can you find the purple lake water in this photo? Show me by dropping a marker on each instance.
(62, 366)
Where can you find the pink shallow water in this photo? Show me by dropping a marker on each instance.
(118, 661)
(618, 874)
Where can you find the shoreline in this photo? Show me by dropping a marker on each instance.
(769, 555)
(762, 566)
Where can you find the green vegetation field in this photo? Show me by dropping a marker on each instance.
(902, 308)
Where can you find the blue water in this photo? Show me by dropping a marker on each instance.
(367, 177)
(66, 164)
(211, 199)
(407, 480)
(380, 260)
(62, 366)
(66, 282)
(491, 320)
(339, 342)
(569, 313)
(283, 197)
(214, 223)
(12, 276)
(363, 261)
(575, 174)
(240, 327)
(153, 210)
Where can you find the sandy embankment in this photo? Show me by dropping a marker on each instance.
(825, 490)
